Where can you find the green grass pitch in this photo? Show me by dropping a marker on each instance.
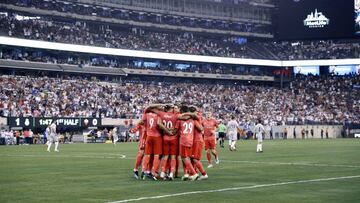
(287, 171)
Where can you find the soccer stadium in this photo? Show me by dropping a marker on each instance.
(113, 101)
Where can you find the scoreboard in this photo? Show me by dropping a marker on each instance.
(24, 122)
(43, 122)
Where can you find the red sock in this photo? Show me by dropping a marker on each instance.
(139, 158)
(164, 164)
(156, 164)
(208, 156)
(145, 163)
(200, 167)
(173, 165)
(189, 167)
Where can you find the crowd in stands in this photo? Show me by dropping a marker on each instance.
(95, 34)
(87, 10)
(308, 99)
(312, 50)
(86, 33)
(85, 60)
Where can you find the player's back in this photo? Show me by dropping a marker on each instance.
(53, 128)
(259, 129)
(169, 120)
(151, 120)
(186, 132)
(232, 126)
(47, 131)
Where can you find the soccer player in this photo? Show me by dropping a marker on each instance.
(198, 144)
(170, 142)
(222, 134)
(210, 124)
(185, 128)
(259, 132)
(153, 144)
(140, 154)
(53, 137)
(47, 134)
(232, 130)
(115, 135)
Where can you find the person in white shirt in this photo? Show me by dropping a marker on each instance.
(31, 136)
(53, 137)
(259, 132)
(115, 135)
(232, 129)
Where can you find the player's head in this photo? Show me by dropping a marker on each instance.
(176, 109)
(184, 109)
(208, 115)
(168, 108)
(259, 121)
(192, 109)
(232, 117)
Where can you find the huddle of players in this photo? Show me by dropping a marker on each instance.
(167, 132)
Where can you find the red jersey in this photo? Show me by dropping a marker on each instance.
(210, 126)
(198, 137)
(151, 121)
(169, 121)
(186, 132)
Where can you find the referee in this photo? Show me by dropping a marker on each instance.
(222, 134)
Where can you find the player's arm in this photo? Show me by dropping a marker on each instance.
(191, 115)
(155, 108)
(163, 128)
(183, 117)
(142, 144)
(137, 127)
(215, 126)
(176, 128)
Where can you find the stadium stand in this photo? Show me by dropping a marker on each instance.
(308, 99)
(137, 38)
(38, 20)
(87, 33)
(242, 17)
(61, 60)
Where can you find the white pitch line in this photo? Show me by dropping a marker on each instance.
(236, 188)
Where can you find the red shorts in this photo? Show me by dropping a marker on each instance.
(197, 150)
(171, 147)
(210, 144)
(153, 145)
(185, 151)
